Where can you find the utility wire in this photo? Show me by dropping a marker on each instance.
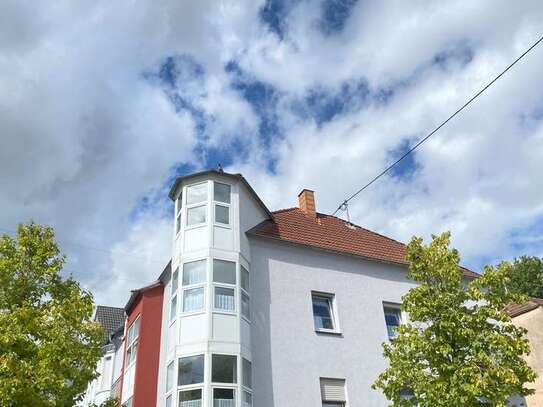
(343, 205)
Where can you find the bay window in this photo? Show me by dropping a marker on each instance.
(221, 198)
(191, 370)
(224, 369)
(132, 341)
(190, 398)
(197, 204)
(224, 397)
(224, 279)
(194, 280)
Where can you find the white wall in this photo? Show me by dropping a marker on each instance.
(289, 357)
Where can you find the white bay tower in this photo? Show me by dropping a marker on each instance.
(206, 328)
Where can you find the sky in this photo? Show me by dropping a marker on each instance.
(103, 104)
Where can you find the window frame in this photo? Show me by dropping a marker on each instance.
(400, 314)
(204, 203)
(332, 306)
(187, 287)
(231, 286)
(178, 214)
(234, 389)
(245, 291)
(174, 295)
(133, 343)
(227, 205)
(190, 386)
(236, 378)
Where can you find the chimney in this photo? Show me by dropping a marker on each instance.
(306, 200)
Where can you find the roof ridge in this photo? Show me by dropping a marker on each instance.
(109, 306)
(286, 209)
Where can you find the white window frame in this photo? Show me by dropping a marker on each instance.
(178, 214)
(196, 204)
(174, 296)
(246, 292)
(224, 387)
(223, 204)
(187, 287)
(237, 301)
(236, 376)
(331, 298)
(134, 342)
(395, 306)
(182, 389)
(244, 388)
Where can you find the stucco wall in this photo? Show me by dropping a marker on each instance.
(289, 357)
(533, 322)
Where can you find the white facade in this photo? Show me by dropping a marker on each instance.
(206, 328)
(108, 368)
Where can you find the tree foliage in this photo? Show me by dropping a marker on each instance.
(459, 348)
(49, 346)
(527, 276)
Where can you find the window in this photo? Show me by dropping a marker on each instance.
(128, 403)
(173, 308)
(221, 192)
(245, 306)
(179, 206)
(224, 369)
(333, 392)
(222, 214)
(105, 380)
(224, 299)
(196, 215)
(393, 319)
(173, 304)
(194, 276)
(245, 283)
(197, 193)
(169, 401)
(169, 377)
(191, 370)
(224, 398)
(224, 271)
(132, 342)
(247, 374)
(323, 315)
(194, 272)
(191, 398)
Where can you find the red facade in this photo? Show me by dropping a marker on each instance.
(146, 304)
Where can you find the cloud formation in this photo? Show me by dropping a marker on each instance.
(102, 104)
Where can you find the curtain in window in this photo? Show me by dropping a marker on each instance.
(194, 272)
(192, 403)
(193, 299)
(223, 403)
(224, 299)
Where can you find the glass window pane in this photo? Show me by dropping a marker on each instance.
(247, 374)
(222, 192)
(175, 280)
(194, 272)
(196, 215)
(392, 320)
(247, 399)
(173, 308)
(179, 203)
(169, 401)
(169, 377)
(197, 193)
(193, 299)
(224, 271)
(178, 224)
(223, 398)
(322, 314)
(224, 299)
(222, 214)
(191, 370)
(224, 369)
(245, 282)
(190, 398)
(245, 307)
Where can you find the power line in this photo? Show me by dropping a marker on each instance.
(343, 205)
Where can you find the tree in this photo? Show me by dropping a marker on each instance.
(459, 348)
(49, 347)
(527, 276)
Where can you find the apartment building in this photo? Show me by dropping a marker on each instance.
(261, 308)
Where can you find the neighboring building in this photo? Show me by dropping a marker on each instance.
(530, 316)
(109, 366)
(260, 308)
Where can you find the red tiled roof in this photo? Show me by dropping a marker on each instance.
(331, 233)
(514, 310)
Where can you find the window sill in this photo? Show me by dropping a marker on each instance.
(192, 313)
(326, 332)
(195, 226)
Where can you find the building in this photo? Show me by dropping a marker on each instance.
(530, 316)
(261, 308)
(110, 365)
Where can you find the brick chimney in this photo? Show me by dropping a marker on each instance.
(306, 200)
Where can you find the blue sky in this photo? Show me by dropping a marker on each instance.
(103, 104)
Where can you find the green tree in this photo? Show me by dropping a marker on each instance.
(459, 348)
(527, 276)
(49, 346)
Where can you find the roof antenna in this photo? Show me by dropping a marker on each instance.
(219, 167)
(345, 207)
